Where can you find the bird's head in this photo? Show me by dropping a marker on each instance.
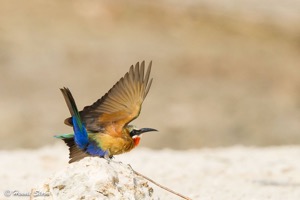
(136, 133)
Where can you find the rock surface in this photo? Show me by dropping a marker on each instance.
(230, 173)
(97, 178)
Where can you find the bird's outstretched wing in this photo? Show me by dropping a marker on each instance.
(121, 104)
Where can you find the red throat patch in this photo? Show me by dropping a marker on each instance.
(136, 141)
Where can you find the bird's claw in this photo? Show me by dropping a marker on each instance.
(107, 157)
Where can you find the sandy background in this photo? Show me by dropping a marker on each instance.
(225, 73)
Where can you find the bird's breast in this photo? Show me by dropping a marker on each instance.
(114, 145)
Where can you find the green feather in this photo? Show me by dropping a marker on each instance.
(65, 136)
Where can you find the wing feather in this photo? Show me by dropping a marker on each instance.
(122, 103)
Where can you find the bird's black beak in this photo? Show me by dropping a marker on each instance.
(142, 130)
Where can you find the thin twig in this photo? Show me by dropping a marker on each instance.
(32, 193)
(159, 185)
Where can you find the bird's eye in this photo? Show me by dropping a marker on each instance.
(133, 133)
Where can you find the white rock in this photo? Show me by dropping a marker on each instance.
(96, 178)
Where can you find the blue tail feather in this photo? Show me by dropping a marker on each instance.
(80, 133)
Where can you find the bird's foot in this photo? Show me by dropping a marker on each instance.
(107, 157)
(111, 159)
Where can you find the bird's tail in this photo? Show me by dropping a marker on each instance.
(80, 133)
(71, 105)
(75, 153)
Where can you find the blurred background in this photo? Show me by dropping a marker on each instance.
(225, 72)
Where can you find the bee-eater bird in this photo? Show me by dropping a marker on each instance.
(102, 129)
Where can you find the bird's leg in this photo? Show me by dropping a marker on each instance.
(106, 157)
(111, 159)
